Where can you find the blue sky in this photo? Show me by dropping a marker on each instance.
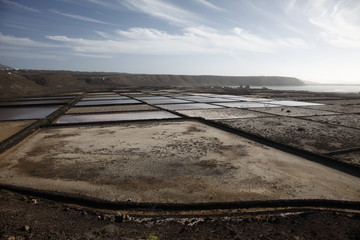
(314, 40)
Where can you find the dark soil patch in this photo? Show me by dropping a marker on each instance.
(25, 217)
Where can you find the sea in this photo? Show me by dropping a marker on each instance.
(316, 88)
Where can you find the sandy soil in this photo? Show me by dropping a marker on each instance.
(9, 128)
(222, 113)
(182, 161)
(347, 120)
(293, 111)
(303, 134)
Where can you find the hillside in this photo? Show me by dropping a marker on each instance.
(188, 80)
(27, 83)
(5, 68)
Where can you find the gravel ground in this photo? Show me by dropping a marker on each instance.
(347, 120)
(222, 113)
(293, 111)
(26, 217)
(303, 134)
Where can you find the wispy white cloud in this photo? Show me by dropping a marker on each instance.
(93, 55)
(209, 5)
(18, 5)
(82, 18)
(107, 4)
(194, 40)
(163, 10)
(339, 22)
(289, 7)
(102, 34)
(276, 16)
(23, 42)
(30, 55)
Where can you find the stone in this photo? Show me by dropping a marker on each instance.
(109, 229)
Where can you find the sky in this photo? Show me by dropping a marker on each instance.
(313, 40)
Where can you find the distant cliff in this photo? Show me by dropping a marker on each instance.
(22, 83)
(5, 68)
(186, 80)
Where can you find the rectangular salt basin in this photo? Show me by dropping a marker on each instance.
(188, 97)
(20, 113)
(101, 93)
(104, 95)
(294, 103)
(246, 105)
(213, 100)
(203, 94)
(224, 96)
(166, 101)
(47, 98)
(104, 98)
(187, 106)
(137, 95)
(111, 108)
(252, 99)
(34, 102)
(107, 102)
(205, 99)
(152, 98)
(116, 117)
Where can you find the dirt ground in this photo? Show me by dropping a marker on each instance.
(303, 134)
(347, 120)
(70, 159)
(26, 217)
(222, 113)
(9, 128)
(293, 111)
(176, 162)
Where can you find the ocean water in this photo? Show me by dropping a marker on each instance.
(316, 88)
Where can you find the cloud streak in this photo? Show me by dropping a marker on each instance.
(338, 21)
(23, 42)
(194, 40)
(163, 10)
(209, 5)
(21, 6)
(82, 18)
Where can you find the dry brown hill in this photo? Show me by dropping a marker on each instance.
(29, 83)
